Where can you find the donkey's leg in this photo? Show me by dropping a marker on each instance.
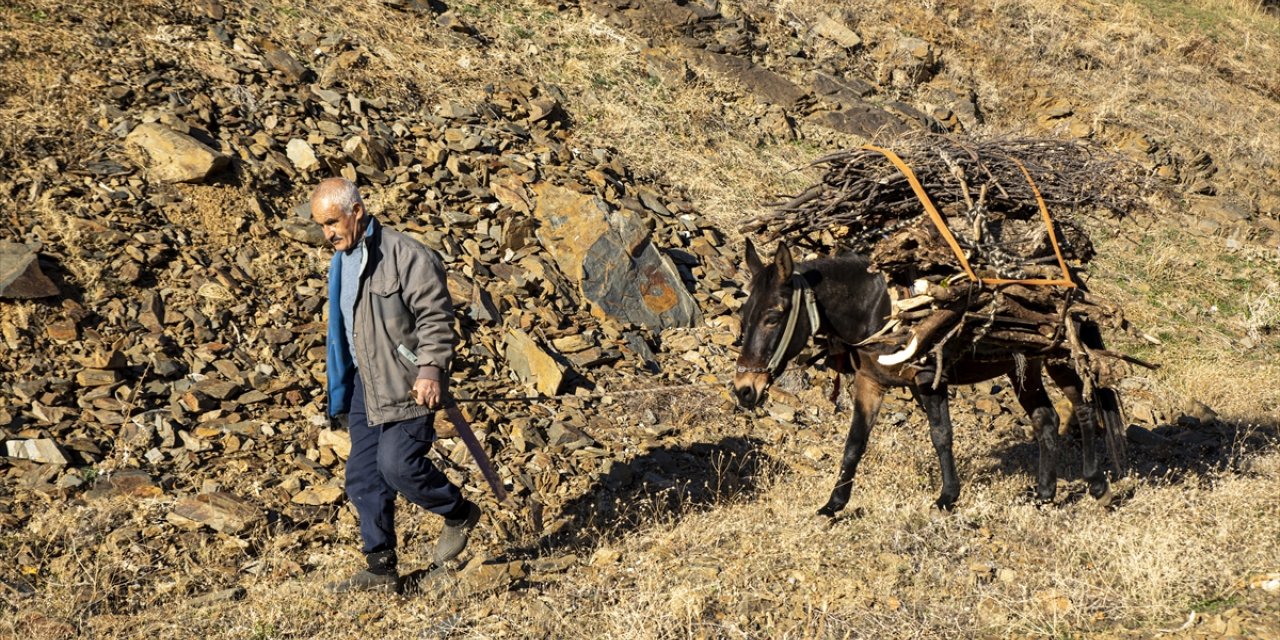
(1029, 387)
(867, 396)
(936, 405)
(1083, 412)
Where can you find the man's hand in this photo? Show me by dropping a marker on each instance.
(427, 392)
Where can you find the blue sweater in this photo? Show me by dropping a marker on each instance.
(338, 350)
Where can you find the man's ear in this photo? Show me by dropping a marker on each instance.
(754, 265)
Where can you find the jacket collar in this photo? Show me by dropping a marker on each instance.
(365, 239)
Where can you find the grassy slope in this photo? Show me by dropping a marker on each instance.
(761, 566)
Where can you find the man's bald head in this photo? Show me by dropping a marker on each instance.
(337, 207)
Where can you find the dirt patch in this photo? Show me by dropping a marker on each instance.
(220, 211)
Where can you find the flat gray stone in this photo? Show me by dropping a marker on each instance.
(768, 87)
(610, 255)
(848, 91)
(128, 482)
(837, 32)
(303, 230)
(532, 365)
(567, 436)
(286, 64)
(302, 155)
(865, 121)
(318, 496)
(220, 511)
(20, 274)
(43, 450)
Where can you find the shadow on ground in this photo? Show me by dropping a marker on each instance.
(660, 486)
(1186, 450)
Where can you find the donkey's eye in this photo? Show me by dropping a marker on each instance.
(772, 319)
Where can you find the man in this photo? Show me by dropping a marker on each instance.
(389, 347)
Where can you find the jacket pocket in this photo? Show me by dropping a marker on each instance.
(407, 354)
(384, 287)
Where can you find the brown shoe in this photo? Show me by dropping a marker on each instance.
(453, 538)
(379, 576)
(366, 580)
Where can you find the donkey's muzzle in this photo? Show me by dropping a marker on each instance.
(749, 386)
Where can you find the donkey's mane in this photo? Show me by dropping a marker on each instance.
(848, 260)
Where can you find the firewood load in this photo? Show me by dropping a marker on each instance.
(982, 242)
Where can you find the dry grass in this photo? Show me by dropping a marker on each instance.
(756, 563)
(1213, 309)
(901, 571)
(754, 567)
(694, 131)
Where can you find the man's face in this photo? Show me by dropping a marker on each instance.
(342, 231)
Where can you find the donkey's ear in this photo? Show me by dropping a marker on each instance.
(782, 259)
(753, 259)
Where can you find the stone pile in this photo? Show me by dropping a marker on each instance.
(177, 351)
(179, 348)
(808, 68)
(816, 75)
(162, 291)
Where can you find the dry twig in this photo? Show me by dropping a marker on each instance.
(866, 204)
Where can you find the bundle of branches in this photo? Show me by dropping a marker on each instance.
(945, 321)
(992, 196)
(985, 189)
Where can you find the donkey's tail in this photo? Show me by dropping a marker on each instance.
(1107, 408)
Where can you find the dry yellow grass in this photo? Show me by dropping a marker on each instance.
(1213, 309)
(759, 564)
(762, 565)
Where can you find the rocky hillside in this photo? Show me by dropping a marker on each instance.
(583, 169)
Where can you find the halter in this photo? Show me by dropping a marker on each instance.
(800, 292)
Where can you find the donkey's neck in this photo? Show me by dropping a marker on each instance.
(853, 301)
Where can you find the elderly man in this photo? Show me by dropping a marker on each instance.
(390, 343)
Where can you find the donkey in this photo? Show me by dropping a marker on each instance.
(842, 299)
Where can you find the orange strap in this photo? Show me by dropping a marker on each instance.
(941, 224)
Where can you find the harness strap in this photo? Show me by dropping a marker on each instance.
(941, 224)
(800, 293)
(889, 327)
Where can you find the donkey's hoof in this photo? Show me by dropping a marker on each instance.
(829, 511)
(946, 504)
(1106, 498)
(1037, 498)
(1100, 490)
(836, 516)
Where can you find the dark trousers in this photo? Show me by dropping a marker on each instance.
(387, 459)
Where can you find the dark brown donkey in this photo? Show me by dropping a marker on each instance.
(847, 303)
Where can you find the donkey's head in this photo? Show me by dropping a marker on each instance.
(766, 347)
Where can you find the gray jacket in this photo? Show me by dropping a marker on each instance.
(403, 327)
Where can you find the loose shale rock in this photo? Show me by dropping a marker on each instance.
(616, 265)
(174, 156)
(189, 347)
(20, 274)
